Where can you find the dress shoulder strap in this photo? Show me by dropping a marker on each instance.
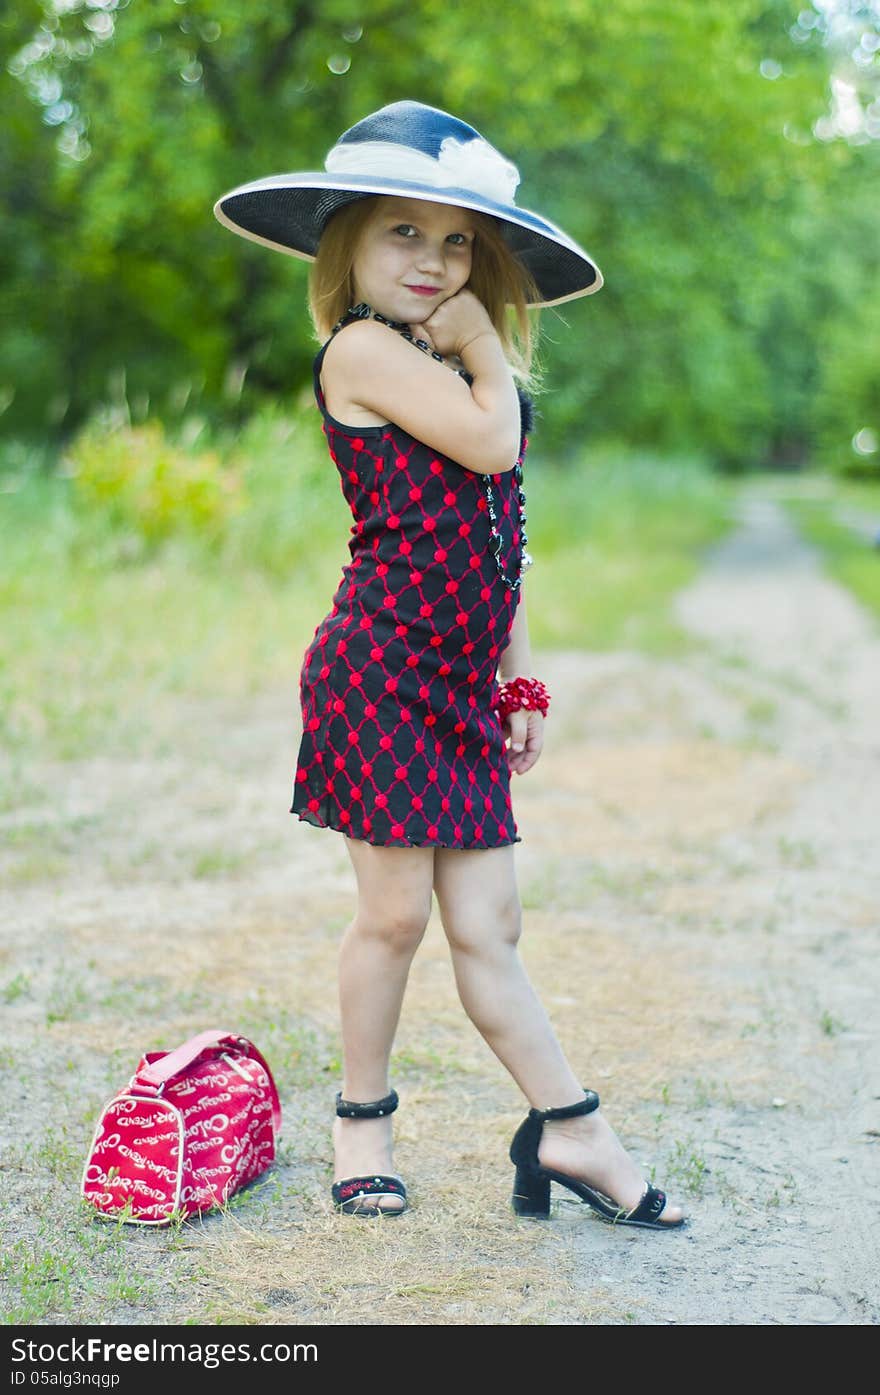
(350, 317)
(317, 364)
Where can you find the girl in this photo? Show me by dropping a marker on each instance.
(418, 250)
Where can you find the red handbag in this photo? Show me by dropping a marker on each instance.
(189, 1129)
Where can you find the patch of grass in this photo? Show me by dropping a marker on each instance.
(157, 997)
(67, 1267)
(761, 710)
(830, 1025)
(42, 850)
(58, 1155)
(848, 554)
(784, 1194)
(710, 1092)
(427, 1063)
(633, 883)
(300, 1053)
(550, 885)
(619, 535)
(35, 867)
(688, 1167)
(38, 1282)
(219, 862)
(91, 652)
(797, 852)
(780, 678)
(727, 1192)
(69, 998)
(17, 987)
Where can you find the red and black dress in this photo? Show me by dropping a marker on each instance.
(401, 745)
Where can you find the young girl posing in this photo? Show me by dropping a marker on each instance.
(418, 250)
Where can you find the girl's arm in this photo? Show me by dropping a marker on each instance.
(516, 660)
(523, 730)
(477, 426)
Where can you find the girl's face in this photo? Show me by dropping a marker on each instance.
(412, 256)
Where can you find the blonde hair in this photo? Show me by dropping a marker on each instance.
(498, 279)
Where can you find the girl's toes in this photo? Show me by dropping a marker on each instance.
(671, 1215)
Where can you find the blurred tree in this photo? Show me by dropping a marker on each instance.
(674, 140)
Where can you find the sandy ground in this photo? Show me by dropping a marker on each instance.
(700, 883)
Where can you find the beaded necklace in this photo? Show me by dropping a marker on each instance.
(362, 311)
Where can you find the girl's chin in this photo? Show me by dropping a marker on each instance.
(407, 308)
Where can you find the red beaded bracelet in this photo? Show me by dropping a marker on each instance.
(518, 693)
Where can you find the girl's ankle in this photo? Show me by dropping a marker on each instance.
(579, 1129)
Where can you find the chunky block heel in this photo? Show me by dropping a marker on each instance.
(531, 1195)
(531, 1188)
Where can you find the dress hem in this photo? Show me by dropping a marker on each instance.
(404, 842)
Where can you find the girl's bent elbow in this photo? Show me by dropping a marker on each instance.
(501, 458)
(492, 465)
(506, 461)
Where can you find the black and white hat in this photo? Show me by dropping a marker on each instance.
(410, 150)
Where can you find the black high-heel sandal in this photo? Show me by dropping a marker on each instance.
(350, 1193)
(531, 1188)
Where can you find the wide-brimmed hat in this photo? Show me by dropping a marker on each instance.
(416, 151)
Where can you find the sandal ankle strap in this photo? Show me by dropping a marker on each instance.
(587, 1105)
(348, 1109)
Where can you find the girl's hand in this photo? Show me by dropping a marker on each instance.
(526, 730)
(455, 323)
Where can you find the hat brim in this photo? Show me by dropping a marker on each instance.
(288, 213)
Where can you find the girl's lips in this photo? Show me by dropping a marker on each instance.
(424, 290)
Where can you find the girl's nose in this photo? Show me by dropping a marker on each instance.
(430, 256)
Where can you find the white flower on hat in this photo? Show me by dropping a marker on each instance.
(472, 164)
(475, 164)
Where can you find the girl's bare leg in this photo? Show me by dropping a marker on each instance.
(480, 909)
(394, 906)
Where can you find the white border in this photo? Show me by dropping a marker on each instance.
(118, 1217)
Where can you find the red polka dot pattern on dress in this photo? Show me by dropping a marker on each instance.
(401, 745)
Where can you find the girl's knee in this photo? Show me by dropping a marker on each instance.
(399, 928)
(481, 929)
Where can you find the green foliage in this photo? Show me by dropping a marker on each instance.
(296, 514)
(614, 540)
(150, 489)
(850, 553)
(676, 141)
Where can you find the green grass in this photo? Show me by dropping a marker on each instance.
(847, 553)
(830, 1026)
(105, 621)
(687, 1167)
(74, 1262)
(613, 539)
(17, 987)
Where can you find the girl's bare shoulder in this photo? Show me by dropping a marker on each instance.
(366, 362)
(364, 342)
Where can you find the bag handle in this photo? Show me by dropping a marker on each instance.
(175, 1062)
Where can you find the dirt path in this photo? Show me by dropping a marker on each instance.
(700, 884)
(813, 654)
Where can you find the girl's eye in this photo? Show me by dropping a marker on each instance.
(407, 230)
